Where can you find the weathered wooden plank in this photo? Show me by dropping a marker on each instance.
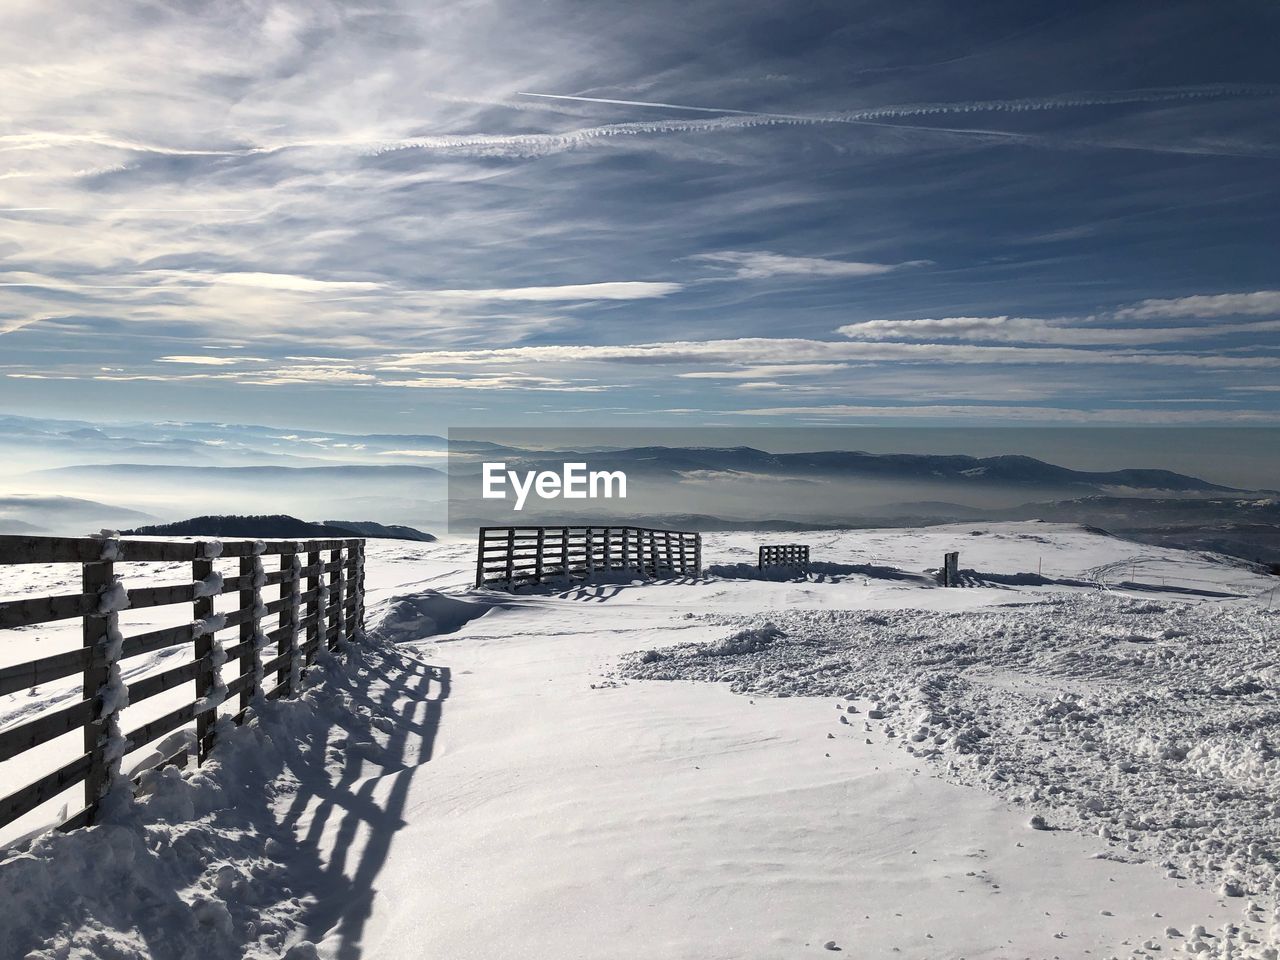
(172, 551)
(157, 640)
(140, 598)
(17, 549)
(33, 610)
(161, 725)
(26, 799)
(54, 723)
(242, 684)
(279, 664)
(24, 676)
(158, 683)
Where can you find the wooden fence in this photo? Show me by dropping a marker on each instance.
(784, 555)
(509, 557)
(320, 603)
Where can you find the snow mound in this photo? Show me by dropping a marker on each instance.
(426, 614)
(1153, 725)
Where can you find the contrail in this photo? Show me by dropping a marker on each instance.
(1060, 102)
(883, 116)
(671, 106)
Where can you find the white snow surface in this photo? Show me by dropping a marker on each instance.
(1073, 756)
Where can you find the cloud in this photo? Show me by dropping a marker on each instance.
(204, 361)
(761, 265)
(1260, 302)
(611, 290)
(764, 350)
(497, 382)
(1031, 330)
(776, 370)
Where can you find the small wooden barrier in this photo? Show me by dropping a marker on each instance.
(327, 610)
(951, 569)
(509, 557)
(784, 555)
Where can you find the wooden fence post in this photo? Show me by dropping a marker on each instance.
(288, 630)
(314, 612)
(360, 594)
(96, 628)
(481, 537)
(317, 612)
(250, 601)
(511, 555)
(951, 569)
(202, 607)
(538, 559)
(338, 626)
(697, 554)
(564, 553)
(352, 574)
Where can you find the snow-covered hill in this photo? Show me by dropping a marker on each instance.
(498, 783)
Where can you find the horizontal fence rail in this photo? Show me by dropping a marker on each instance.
(257, 648)
(508, 557)
(784, 555)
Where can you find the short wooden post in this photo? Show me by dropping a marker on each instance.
(951, 569)
(537, 563)
(564, 552)
(626, 548)
(697, 554)
(591, 552)
(201, 568)
(95, 633)
(481, 537)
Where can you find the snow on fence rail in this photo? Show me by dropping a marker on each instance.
(508, 557)
(783, 555)
(323, 611)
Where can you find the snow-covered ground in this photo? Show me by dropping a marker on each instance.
(510, 778)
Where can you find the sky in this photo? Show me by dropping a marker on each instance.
(409, 217)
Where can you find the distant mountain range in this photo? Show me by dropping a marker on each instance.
(278, 526)
(1004, 471)
(41, 513)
